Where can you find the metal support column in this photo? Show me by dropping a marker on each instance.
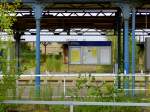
(133, 51)
(119, 38)
(18, 53)
(37, 80)
(126, 55)
(38, 8)
(17, 37)
(126, 14)
(126, 48)
(119, 45)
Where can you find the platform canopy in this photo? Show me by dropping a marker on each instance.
(94, 14)
(85, 4)
(76, 1)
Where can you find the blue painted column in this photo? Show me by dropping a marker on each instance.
(133, 51)
(126, 56)
(38, 8)
(126, 14)
(126, 49)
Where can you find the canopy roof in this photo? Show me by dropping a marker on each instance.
(99, 22)
(84, 4)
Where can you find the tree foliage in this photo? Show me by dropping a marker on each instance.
(7, 63)
(8, 15)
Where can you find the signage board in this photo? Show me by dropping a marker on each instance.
(87, 52)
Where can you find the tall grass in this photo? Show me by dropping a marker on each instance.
(54, 63)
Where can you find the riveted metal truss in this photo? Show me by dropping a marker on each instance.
(78, 13)
(69, 13)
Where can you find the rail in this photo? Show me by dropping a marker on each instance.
(83, 74)
(71, 104)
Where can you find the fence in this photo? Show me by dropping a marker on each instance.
(57, 88)
(143, 78)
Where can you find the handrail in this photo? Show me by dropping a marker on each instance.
(83, 74)
(76, 103)
(71, 104)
